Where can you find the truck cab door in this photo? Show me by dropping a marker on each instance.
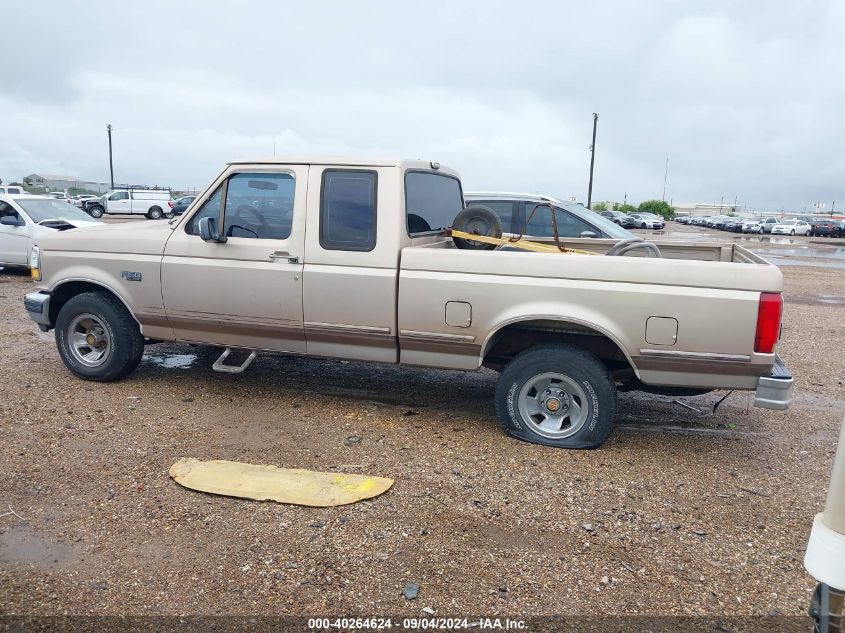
(351, 262)
(119, 202)
(244, 290)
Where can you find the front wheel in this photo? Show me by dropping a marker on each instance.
(557, 395)
(792, 232)
(97, 337)
(95, 212)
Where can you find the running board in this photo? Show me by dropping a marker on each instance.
(232, 369)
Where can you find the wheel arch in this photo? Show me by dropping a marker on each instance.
(519, 333)
(69, 288)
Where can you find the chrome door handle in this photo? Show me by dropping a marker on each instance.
(292, 259)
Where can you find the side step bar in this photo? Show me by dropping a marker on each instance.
(232, 369)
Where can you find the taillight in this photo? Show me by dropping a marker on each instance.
(768, 322)
(170, 203)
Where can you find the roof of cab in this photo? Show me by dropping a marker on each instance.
(345, 161)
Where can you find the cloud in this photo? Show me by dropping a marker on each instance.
(741, 98)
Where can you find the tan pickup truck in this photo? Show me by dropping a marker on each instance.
(350, 259)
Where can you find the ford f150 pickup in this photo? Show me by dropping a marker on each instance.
(352, 259)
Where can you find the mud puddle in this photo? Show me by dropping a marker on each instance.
(23, 546)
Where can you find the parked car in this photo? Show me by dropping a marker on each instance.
(840, 228)
(718, 221)
(12, 190)
(768, 223)
(280, 241)
(24, 218)
(573, 220)
(733, 225)
(79, 200)
(792, 227)
(180, 204)
(619, 218)
(59, 195)
(154, 203)
(812, 221)
(752, 226)
(644, 220)
(825, 228)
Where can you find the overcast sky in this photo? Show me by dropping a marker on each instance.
(745, 98)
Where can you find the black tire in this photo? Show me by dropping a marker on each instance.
(792, 232)
(95, 211)
(478, 220)
(578, 366)
(155, 213)
(124, 335)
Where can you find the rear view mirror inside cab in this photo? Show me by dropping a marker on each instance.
(267, 185)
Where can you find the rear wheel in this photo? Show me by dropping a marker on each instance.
(97, 338)
(478, 220)
(557, 395)
(155, 213)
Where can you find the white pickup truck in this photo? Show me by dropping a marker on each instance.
(153, 203)
(351, 259)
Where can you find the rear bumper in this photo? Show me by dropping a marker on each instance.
(37, 306)
(774, 391)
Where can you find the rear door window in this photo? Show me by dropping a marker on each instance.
(505, 211)
(540, 225)
(348, 210)
(432, 201)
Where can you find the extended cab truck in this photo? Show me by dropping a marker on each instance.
(349, 259)
(153, 203)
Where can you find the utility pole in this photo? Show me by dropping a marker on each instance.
(592, 160)
(111, 164)
(665, 176)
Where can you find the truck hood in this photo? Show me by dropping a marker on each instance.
(143, 238)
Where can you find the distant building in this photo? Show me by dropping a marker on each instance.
(704, 208)
(55, 182)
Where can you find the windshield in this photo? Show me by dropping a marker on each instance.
(788, 222)
(40, 209)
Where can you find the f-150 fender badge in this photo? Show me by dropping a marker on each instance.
(130, 275)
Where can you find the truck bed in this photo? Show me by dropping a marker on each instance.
(734, 267)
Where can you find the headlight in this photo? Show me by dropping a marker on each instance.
(35, 263)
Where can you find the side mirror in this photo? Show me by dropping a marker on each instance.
(12, 220)
(208, 230)
(588, 234)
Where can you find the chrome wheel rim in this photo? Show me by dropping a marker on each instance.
(553, 405)
(90, 340)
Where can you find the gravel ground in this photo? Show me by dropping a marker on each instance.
(682, 512)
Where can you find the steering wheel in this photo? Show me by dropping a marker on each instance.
(246, 209)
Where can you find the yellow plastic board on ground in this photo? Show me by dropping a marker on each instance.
(270, 483)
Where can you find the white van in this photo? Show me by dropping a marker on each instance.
(12, 189)
(154, 203)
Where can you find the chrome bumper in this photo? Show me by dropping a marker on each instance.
(775, 390)
(37, 306)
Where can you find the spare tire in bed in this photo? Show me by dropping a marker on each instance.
(478, 220)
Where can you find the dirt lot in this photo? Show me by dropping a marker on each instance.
(682, 512)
